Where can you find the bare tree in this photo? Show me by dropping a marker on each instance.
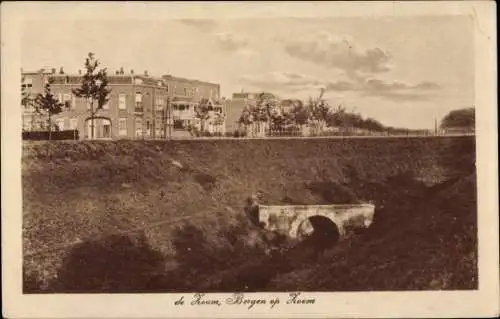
(46, 103)
(93, 88)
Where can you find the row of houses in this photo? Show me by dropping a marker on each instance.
(139, 106)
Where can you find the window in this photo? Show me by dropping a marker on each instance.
(178, 124)
(122, 101)
(73, 123)
(60, 98)
(138, 127)
(60, 124)
(41, 124)
(166, 87)
(27, 83)
(106, 130)
(185, 91)
(138, 81)
(73, 100)
(122, 127)
(138, 100)
(66, 99)
(160, 101)
(86, 102)
(27, 125)
(122, 124)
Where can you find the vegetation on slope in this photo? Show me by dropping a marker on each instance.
(171, 214)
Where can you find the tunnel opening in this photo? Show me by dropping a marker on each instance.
(318, 231)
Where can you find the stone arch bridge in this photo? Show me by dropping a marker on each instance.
(298, 221)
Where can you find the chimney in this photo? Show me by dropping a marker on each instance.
(117, 72)
(53, 70)
(61, 70)
(80, 72)
(132, 72)
(146, 73)
(121, 71)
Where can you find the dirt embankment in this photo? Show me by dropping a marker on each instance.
(179, 205)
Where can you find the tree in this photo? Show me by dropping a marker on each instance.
(373, 125)
(300, 113)
(462, 118)
(203, 112)
(337, 117)
(46, 103)
(319, 112)
(246, 117)
(93, 88)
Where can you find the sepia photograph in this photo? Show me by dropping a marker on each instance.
(202, 155)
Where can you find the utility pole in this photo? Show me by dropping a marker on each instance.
(168, 119)
(164, 118)
(154, 115)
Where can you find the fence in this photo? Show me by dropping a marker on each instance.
(242, 134)
(55, 135)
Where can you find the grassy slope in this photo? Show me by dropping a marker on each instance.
(79, 191)
(427, 245)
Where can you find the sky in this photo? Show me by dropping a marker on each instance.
(402, 71)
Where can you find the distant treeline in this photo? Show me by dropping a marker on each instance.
(293, 115)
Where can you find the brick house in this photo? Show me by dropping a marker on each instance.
(139, 106)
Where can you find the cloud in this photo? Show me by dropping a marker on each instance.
(427, 86)
(391, 90)
(294, 82)
(361, 66)
(399, 91)
(399, 96)
(203, 24)
(231, 42)
(340, 86)
(339, 52)
(379, 85)
(282, 81)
